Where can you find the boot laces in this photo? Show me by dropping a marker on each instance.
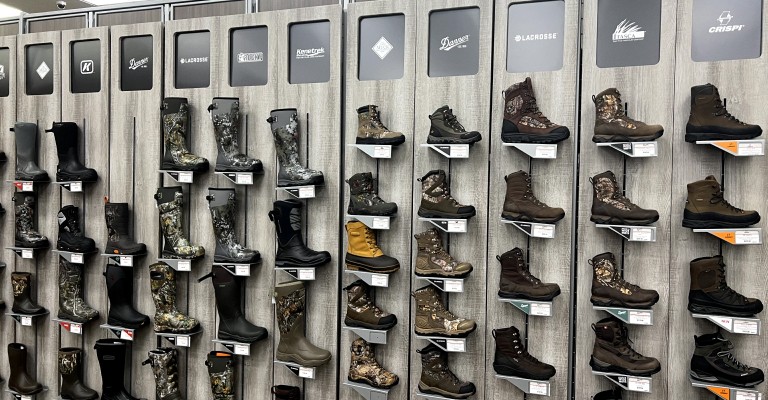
(525, 271)
(722, 285)
(722, 111)
(529, 194)
(376, 120)
(437, 249)
(370, 239)
(719, 198)
(620, 197)
(731, 360)
(451, 120)
(447, 194)
(623, 344)
(533, 108)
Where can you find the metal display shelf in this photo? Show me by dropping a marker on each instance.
(534, 150)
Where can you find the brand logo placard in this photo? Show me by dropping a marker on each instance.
(382, 48)
(447, 44)
(310, 53)
(43, 70)
(536, 36)
(453, 42)
(726, 29)
(86, 67)
(725, 24)
(250, 57)
(134, 64)
(628, 31)
(194, 60)
(2, 72)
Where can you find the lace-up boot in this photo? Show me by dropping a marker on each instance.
(520, 204)
(713, 362)
(524, 122)
(433, 319)
(613, 125)
(370, 129)
(362, 313)
(446, 129)
(364, 368)
(363, 199)
(437, 378)
(612, 351)
(610, 206)
(516, 281)
(710, 120)
(710, 293)
(706, 208)
(609, 289)
(512, 359)
(432, 259)
(364, 254)
(436, 199)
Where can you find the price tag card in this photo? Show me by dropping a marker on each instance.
(745, 326)
(640, 317)
(750, 149)
(27, 186)
(185, 177)
(453, 285)
(457, 225)
(76, 329)
(182, 341)
(244, 179)
(546, 151)
(639, 384)
(379, 280)
(382, 151)
(126, 261)
(306, 192)
(644, 149)
(747, 237)
(538, 388)
(242, 270)
(27, 254)
(76, 258)
(242, 350)
(25, 397)
(725, 322)
(26, 321)
(308, 373)
(76, 187)
(184, 265)
(454, 345)
(543, 231)
(541, 309)
(380, 223)
(742, 395)
(307, 274)
(641, 234)
(126, 334)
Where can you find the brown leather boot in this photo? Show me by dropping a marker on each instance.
(520, 204)
(432, 318)
(432, 259)
(710, 293)
(609, 289)
(516, 281)
(613, 125)
(612, 352)
(709, 120)
(437, 378)
(364, 254)
(436, 199)
(362, 313)
(524, 122)
(610, 206)
(706, 208)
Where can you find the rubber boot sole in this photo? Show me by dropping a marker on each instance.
(444, 140)
(430, 274)
(512, 216)
(694, 137)
(537, 138)
(425, 213)
(372, 384)
(390, 141)
(623, 138)
(701, 376)
(710, 310)
(376, 270)
(600, 366)
(608, 302)
(242, 339)
(506, 371)
(713, 224)
(441, 332)
(290, 357)
(523, 296)
(424, 388)
(607, 220)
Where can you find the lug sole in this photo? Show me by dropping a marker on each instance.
(190, 168)
(368, 213)
(375, 270)
(433, 390)
(710, 310)
(549, 138)
(623, 138)
(717, 379)
(429, 274)
(372, 384)
(441, 332)
(506, 371)
(523, 296)
(710, 224)
(604, 219)
(306, 182)
(694, 137)
(444, 140)
(69, 317)
(600, 366)
(291, 357)
(299, 263)
(511, 216)
(391, 141)
(423, 212)
(231, 168)
(608, 302)
(242, 339)
(360, 324)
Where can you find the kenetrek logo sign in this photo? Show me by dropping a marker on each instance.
(250, 57)
(310, 53)
(724, 19)
(86, 67)
(447, 44)
(536, 36)
(133, 64)
(627, 31)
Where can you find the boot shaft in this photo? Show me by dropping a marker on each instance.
(163, 284)
(609, 107)
(66, 136)
(610, 330)
(228, 291)
(69, 220)
(428, 300)
(164, 364)
(118, 221)
(708, 110)
(707, 196)
(111, 355)
(434, 186)
(21, 282)
(707, 273)
(508, 342)
(290, 300)
(222, 374)
(519, 187)
(284, 392)
(70, 362)
(520, 107)
(369, 123)
(444, 120)
(361, 184)
(24, 207)
(429, 241)
(604, 269)
(514, 268)
(284, 124)
(286, 214)
(25, 134)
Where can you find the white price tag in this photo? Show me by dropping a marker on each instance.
(126, 335)
(546, 151)
(27, 254)
(745, 326)
(638, 384)
(126, 261)
(382, 152)
(750, 149)
(308, 373)
(182, 341)
(457, 225)
(459, 151)
(26, 321)
(741, 395)
(76, 258)
(379, 280)
(76, 328)
(76, 187)
(454, 345)
(640, 317)
(242, 270)
(644, 149)
(538, 388)
(747, 237)
(307, 274)
(453, 286)
(27, 186)
(244, 179)
(641, 234)
(242, 350)
(380, 223)
(542, 231)
(184, 265)
(541, 309)
(185, 177)
(25, 397)
(306, 192)
(724, 322)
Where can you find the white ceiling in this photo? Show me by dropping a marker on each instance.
(10, 8)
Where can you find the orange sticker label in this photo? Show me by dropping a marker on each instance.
(729, 237)
(728, 146)
(723, 393)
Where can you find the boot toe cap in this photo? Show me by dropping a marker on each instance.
(467, 388)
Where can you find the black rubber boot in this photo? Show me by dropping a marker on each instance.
(119, 239)
(291, 250)
(20, 381)
(71, 238)
(111, 354)
(120, 292)
(70, 168)
(26, 153)
(232, 322)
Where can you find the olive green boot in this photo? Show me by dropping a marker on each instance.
(432, 319)
(364, 368)
(362, 313)
(437, 378)
(290, 299)
(432, 259)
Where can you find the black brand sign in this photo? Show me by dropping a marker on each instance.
(726, 29)
(628, 32)
(535, 36)
(454, 47)
(309, 52)
(193, 60)
(381, 47)
(39, 69)
(136, 63)
(5, 73)
(248, 56)
(85, 66)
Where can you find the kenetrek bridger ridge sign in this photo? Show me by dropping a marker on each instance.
(535, 36)
(454, 47)
(628, 32)
(726, 29)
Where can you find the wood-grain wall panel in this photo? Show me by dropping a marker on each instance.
(273, 5)
(56, 24)
(130, 17)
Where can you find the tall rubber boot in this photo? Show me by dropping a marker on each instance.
(165, 366)
(120, 292)
(19, 381)
(22, 299)
(222, 203)
(175, 120)
(70, 168)
(293, 346)
(70, 368)
(285, 131)
(111, 355)
(232, 322)
(225, 114)
(71, 237)
(26, 234)
(170, 202)
(72, 305)
(119, 239)
(291, 250)
(167, 317)
(26, 153)
(222, 373)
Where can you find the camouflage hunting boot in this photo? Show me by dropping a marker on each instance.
(362, 313)
(432, 259)
(610, 206)
(290, 302)
(363, 199)
(713, 362)
(517, 282)
(436, 199)
(71, 369)
(363, 367)
(26, 234)
(285, 392)
(119, 239)
(710, 120)
(71, 238)
(609, 289)
(511, 358)
(170, 202)
(222, 373)
(25, 134)
(370, 129)
(72, 305)
(22, 300)
(175, 116)
(710, 294)
(612, 351)
(285, 131)
(437, 378)
(165, 367)
(364, 254)
(613, 125)
(524, 122)
(167, 316)
(222, 203)
(226, 126)
(432, 319)
(520, 204)
(706, 208)
(446, 129)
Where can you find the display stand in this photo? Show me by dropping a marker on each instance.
(368, 392)
(302, 274)
(74, 258)
(26, 319)
(374, 150)
(119, 331)
(180, 176)
(454, 285)
(237, 348)
(69, 326)
(27, 186)
(632, 233)
(300, 192)
(451, 345)
(373, 222)
(738, 148)
(26, 252)
(19, 396)
(725, 392)
(628, 382)
(237, 269)
(528, 386)
(450, 150)
(746, 326)
(372, 279)
(450, 225)
(633, 149)
(632, 316)
(736, 236)
(369, 335)
(532, 229)
(298, 370)
(431, 396)
(533, 150)
(72, 186)
(180, 339)
(238, 178)
(122, 260)
(530, 307)
(179, 264)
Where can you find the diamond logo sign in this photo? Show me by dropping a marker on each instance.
(382, 47)
(43, 70)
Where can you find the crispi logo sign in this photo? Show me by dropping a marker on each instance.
(725, 19)
(447, 44)
(536, 36)
(310, 53)
(134, 64)
(628, 31)
(250, 57)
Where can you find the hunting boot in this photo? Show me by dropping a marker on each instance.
(170, 202)
(70, 168)
(20, 381)
(524, 122)
(175, 119)
(511, 358)
(613, 125)
(290, 301)
(285, 392)
(120, 293)
(713, 362)
(433, 260)
(285, 131)
(70, 368)
(612, 352)
(365, 369)
(222, 203)
(119, 239)
(26, 153)
(709, 120)
(609, 289)
(3, 157)
(221, 370)
(710, 293)
(26, 235)
(232, 323)
(610, 394)
(111, 355)
(520, 204)
(370, 129)
(516, 281)
(432, 319)
(363, 199)
(291, 250)
(706, 208)
(225, 114)
(162, 280)
(165, 366)
(437, 379)
(436, 199)
(72, 305)
(22, 298)
(610, 206)
(71, 238)
(362, 313)
(364, 254)
(446, 129)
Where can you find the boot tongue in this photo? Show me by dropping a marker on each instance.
(605, 256)
(609, 92)
(711, 178)
(607, 174)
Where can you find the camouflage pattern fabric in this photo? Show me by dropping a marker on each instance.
(222, 384)
(523, 106)
(20, 283)
(359, 301)
(611, 111)
(174, 126)
(224, 228)
(110, 214)
(167, 317)
(289, 309)
(606, 192)
(607, 274)
(370, 125)
(434, 189)
(428, 302)
(68, 362)
(287, 147)
(432, 252)
(165, 367)
(25, 230)
(226, 127)
(171, 223)
(364, 366)
(435, 372)
(71, 302)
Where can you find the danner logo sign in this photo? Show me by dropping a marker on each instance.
(628, 31)
(133, 64)
(536, 36)
(724, 19)
(250, 57)
(310, 53)
(446, 44)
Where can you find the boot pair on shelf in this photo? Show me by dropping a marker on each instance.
(69, 168)
(70, 363)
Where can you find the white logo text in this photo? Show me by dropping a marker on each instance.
(250, 57)
(134, 65)
(310, 53)
(447, 43)
(627, 31)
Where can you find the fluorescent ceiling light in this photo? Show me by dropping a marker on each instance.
(106, 2)
(8, 11)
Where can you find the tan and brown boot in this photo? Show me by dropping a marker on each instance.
(709, 120)
(432, 259)
(364, 254)
(613, 125)
(362, 313)
(612, 352)
(436, 199)
(437, 378)
(363, 367)
(524, 122)
(432, 319)
(370, 129)
(706, 208)
(520, 204)
(609, 289)
(610, 206)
